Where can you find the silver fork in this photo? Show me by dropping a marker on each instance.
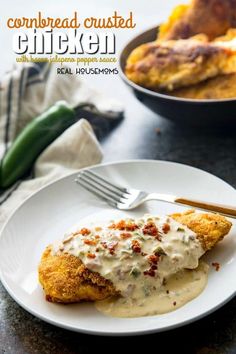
(128, 198)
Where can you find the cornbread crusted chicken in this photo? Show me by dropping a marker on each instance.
(220, 87)
(172, 64)
(210, 228)
(127, 257)
(66, 279)
(211, 17)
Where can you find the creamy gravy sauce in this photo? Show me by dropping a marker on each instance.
(139, 256)
(179, 289)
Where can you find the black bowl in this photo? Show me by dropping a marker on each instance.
(180, 110)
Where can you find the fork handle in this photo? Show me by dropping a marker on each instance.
(225, 210)
(219, 208)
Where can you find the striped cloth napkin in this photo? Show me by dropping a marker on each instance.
(25, 92)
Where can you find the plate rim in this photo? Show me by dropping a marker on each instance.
(130, 332)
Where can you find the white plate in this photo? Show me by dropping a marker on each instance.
(48, 214)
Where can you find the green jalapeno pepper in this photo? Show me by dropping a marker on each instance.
(33, 139)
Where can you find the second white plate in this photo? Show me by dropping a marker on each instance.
(48, 214)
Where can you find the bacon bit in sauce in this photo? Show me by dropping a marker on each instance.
(166, 228)
(131, 227)
(136, 246)
(85, 231)
(174, 303)
(153, 259)
(91, 255)
(216, 265)
(112, 226)
(123, 225)
(97, 249)
(98, 228)
(90, 242)
(151, 229)
(112, 246)
(125, 235)
(149, 272)
(97, 237)
(48, 298)
(104, 244)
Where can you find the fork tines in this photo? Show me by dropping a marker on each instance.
(102, 188)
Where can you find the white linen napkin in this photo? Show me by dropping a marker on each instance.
(24, 93)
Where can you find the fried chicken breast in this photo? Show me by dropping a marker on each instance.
(66, 279)
(173, 64)
(220, 87)
(211, 17)
(210, 228)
